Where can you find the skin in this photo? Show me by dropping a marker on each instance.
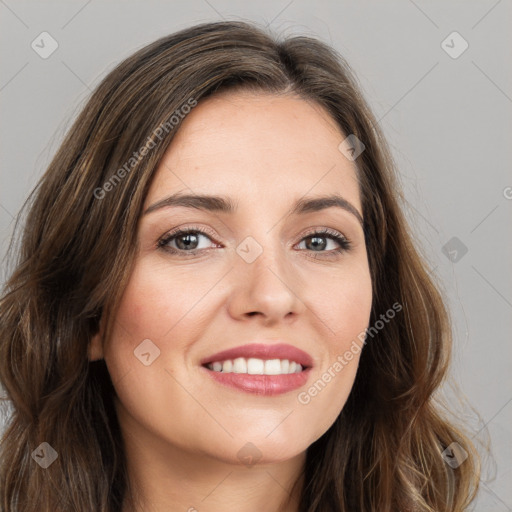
(183, 430)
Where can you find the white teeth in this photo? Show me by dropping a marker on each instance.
(255, 366)
(227, 366)
(273, 367)
(240, 365)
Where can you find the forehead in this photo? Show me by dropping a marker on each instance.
(257, 144)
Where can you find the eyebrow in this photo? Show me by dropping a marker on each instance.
(224, 204)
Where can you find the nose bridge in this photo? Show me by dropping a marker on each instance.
(265, 282)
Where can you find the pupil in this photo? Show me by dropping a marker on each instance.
(318, 242)
(186, 239)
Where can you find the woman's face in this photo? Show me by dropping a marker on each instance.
(257, 275)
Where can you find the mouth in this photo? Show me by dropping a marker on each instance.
(260, 368)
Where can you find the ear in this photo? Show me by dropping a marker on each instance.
(95, 349)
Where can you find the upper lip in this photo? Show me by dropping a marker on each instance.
(263, 351)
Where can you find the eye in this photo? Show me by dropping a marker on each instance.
(189, 240)
(326, 240)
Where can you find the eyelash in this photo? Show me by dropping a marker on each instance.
(344, 243)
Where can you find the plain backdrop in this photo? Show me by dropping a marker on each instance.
(438, 77)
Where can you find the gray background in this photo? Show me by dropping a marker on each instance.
(448, 121)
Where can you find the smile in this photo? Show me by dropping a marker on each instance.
(260, 368)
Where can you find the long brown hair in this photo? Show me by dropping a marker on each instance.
(383, 452)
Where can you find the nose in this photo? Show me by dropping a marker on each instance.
(267, 289)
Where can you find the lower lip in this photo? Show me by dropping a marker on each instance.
(265, 385)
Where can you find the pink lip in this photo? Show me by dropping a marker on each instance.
(263, 351)
(266, 385)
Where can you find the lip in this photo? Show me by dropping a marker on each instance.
(263, 351)
(265, 385)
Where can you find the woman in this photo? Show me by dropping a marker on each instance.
(217, 302)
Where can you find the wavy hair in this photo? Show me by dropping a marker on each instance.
(77, 251)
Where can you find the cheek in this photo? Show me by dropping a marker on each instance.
(158, 316)
(332, 381)
(343, 302)
(144, 316)
(155, 307)
(344, 308)
(157, 303)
